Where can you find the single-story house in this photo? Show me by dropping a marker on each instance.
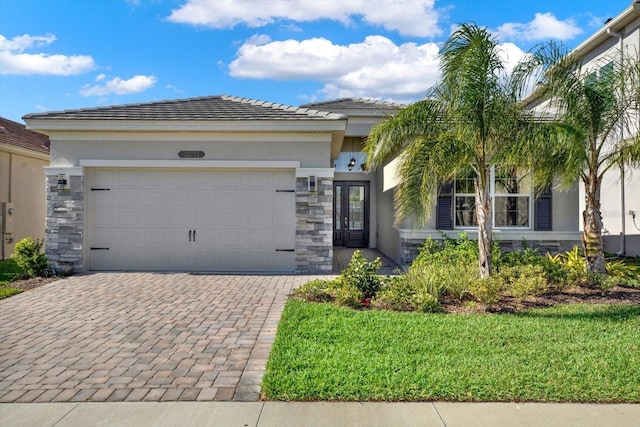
(230, 184)
(23, 154)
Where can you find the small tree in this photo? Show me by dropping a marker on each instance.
(470, 122)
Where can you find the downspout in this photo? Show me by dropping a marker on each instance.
(623, 228)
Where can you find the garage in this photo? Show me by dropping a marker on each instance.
(197, 220)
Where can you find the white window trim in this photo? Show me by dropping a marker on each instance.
(492, 195)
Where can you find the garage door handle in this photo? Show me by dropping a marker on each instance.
(285, 250)
(189, 235)
(194, 235)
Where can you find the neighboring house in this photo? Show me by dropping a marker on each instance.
(620, 194)
(232, 184)
(23, 154)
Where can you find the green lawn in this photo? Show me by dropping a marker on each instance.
(9, 271)
(579, 353)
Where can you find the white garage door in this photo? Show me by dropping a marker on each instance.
(193, 220)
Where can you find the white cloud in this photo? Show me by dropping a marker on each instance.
(118, 86)
(375, 68)
(544, 26)
(174, 88)
(510, 55)
(408, 17)
(100, 77)
(13, 60)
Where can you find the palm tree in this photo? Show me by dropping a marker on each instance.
(468, 123)
(594, 127)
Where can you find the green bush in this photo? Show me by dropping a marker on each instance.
(345, 293)
(557, 275)
(487, 290)
(27, 254)
(524, 281)
(623, 272)
(362, 274)
(425, 278)
(448, 268)
(401, 293)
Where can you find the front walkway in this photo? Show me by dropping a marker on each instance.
(140, 337)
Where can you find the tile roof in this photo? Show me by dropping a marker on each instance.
(352, 103)
(222, 107)
(13, 133)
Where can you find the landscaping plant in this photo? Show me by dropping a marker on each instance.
(28, 255)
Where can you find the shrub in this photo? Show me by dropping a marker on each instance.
(623, 272)
(556, 274)
(400, 293)
(27, 254)
(449, 267)
(524, 281)
(426, 279)
(487, 290)
(362, 274)
(451, 251)
(345, 293)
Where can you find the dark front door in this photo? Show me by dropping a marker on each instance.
(351, 214)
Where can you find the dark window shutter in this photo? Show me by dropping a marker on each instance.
(444, 207)
(543, 211)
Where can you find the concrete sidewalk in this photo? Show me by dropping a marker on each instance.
(282, 414)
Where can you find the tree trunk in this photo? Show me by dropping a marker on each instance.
(483, 216)
(592, 222)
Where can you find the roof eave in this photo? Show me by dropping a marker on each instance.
(49, 125)
(615, 25)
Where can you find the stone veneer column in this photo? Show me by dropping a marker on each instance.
(64, 222)
(314, 216)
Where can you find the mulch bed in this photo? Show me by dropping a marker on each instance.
(507, 304)
(31, 283)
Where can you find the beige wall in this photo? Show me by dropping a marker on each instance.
(22, 182)
(312, 150)
(388, 236)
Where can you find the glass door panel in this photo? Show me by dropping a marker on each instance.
(351, 214)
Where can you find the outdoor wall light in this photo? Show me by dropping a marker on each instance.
(352, 163)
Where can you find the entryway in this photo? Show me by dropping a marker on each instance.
(351, 214)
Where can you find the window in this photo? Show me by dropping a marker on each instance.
(510, 192)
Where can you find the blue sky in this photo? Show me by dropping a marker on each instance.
(67, 54)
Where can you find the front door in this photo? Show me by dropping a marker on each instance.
(351, 214)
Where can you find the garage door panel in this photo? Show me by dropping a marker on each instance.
(239, 219)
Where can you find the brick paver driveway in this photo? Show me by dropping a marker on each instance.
(140, 337)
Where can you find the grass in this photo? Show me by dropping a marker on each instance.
(576, 353)
(9, 271)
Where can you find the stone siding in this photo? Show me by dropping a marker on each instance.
(314, 228)
(410, 247)
(64, 222)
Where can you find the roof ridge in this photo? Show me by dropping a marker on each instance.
(282, 107)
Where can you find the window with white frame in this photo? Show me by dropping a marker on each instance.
(511, 195)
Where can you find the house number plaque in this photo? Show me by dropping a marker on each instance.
(191, 154)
